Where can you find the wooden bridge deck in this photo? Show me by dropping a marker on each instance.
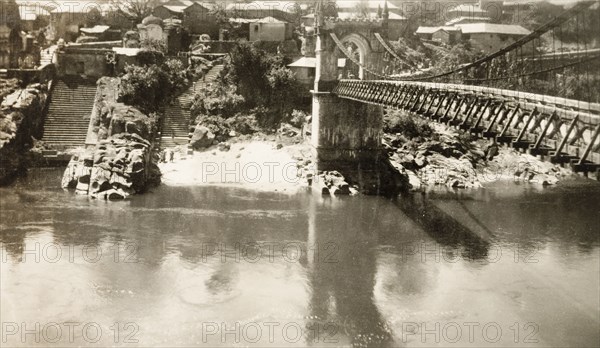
(566, 130)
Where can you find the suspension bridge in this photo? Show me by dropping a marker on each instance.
(538, 94)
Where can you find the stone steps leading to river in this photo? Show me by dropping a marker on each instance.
(68, 117)
(176, 126)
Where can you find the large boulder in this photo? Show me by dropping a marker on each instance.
(202, 138)
(116, 168)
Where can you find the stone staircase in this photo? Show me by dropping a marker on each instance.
(46, 55)
(176, 125)
(68, 117)
(213, 73)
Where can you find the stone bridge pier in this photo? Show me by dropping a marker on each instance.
(347, 134)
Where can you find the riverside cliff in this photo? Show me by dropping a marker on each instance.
(21, 122)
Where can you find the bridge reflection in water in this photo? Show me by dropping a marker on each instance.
(504, 255)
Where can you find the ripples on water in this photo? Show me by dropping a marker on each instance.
(361, 271)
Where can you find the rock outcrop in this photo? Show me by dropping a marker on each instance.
(202, 138)
(123, 162)
(456, 160)
(21, 120)
(332, 183)
(116, 168)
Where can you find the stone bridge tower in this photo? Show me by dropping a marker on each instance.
(346, 134)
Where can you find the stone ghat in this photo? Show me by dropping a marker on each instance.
(115, 169)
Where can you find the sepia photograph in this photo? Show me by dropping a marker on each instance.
(299, 173)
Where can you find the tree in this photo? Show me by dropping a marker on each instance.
(221, 15)
(9, 14)
(362, 9)
(134, 10)
(253, 80)
(248, 68)
(152, 86)
(285, 92)
(330, 9)
(296, 14)
(93, 17)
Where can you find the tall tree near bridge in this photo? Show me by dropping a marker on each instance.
(362, 9)
(134, 10)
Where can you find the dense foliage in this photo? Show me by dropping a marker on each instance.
(148, 87)
(252, 80)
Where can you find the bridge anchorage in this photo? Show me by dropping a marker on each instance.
(494, 97)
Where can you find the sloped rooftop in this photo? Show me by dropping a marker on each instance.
(508, 29)
(311, 62)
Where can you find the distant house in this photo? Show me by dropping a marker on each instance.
(270, 29)
(491, 9)
(467, 20)
(446, 34)
(489, 37)
(305, 67)
(197, 17)
(151, 29)
(240, 29)
(282, 10)
(67, 18)
(200, 18)
(172, 9)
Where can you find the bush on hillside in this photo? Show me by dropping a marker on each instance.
(252, 80)
(150, 87)
(217, 100)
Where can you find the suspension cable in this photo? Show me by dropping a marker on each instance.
(559, 20)
(392, 52)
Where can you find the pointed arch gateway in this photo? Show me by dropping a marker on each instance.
(362, 49)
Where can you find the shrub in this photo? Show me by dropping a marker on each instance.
(285, 91)
(154, 45)
(256, 80)
(243, 124)
(150, 57)
(298, 118)
(215, 124)
(217, 100)
(149, 87)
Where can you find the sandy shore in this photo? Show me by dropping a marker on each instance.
(257, 165)
(266, 165)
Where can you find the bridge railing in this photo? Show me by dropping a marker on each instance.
(568, 107)
(565, 129)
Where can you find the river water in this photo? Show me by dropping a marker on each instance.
(508, 265)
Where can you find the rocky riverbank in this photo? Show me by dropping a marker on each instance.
(21, 122)
(426, 155)
(115, 169)
(443, 156)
